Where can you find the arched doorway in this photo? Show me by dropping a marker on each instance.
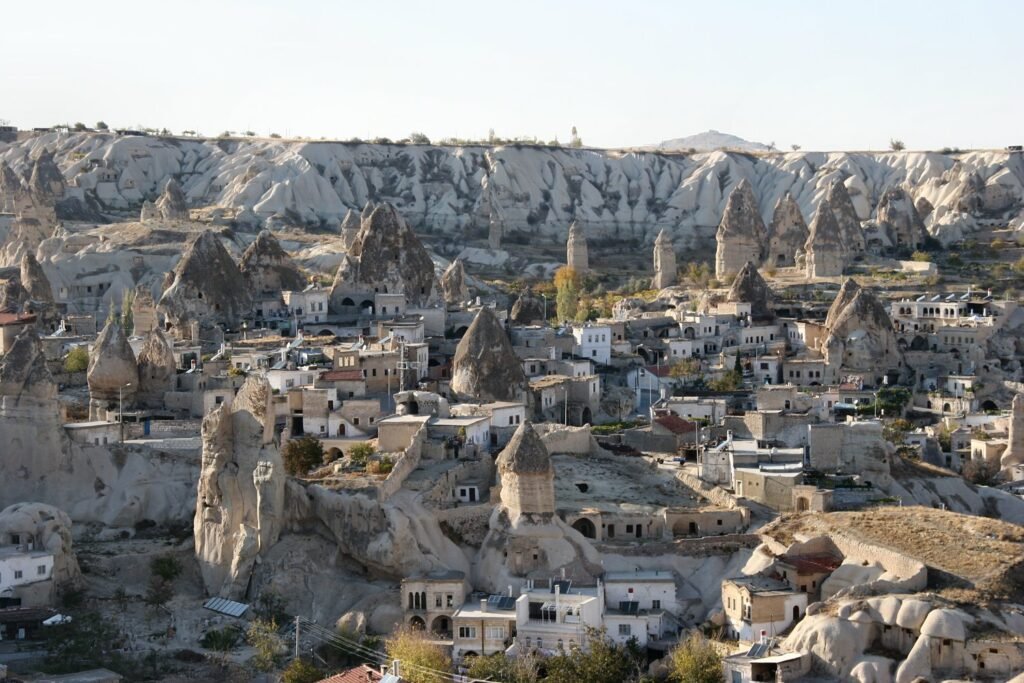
(796, 613)
(460, 332)
(441, 625)
(946, 408)
(417, 623)
(347, 302)
(990, 406)
(802, 504)
(586, 417)
(918, 343)
(585, 527)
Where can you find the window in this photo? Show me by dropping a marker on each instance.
(41, 570)
(495, 633)
(449, 599)
(655, 604)
(625, 630)
(355, 421)
(437, 600)
(629, 528)
(467, 632)
(17, 573)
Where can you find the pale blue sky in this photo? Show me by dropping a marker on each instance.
(822, 74)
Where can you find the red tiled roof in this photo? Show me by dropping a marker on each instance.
(16, 318)
(675, 424)
(359, 674)
(348, 375)
(812, 563)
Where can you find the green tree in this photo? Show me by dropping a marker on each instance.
(604, 661)
(684, 368)
(695, 660)
(301, 671)
(504, 669)
(102, 125)
(127, 316)
(414, 649)
(896, 431)
(302, 454)
(896, 145)
(167, 567)
(77, 360)
(360, 453)
(158, 592)
(419, 139)
(262, 636)
(567, 292)
(87, 641)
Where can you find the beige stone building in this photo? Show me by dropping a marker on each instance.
(756, 604)
(429, 602)
(483, 627)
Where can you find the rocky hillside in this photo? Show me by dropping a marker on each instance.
(529, 191)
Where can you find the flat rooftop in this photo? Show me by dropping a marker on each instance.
(618, 485)
(632, 577)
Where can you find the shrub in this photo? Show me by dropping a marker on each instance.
(897, 145)
(301, 671)
(695, 660)
(158, 592)
(221, 640)
(262, 636)
(979, 472)
(360, 453)
(77, 360)
(417, 653)
(921, 257)
(382, 466)
(167, 567)
(302, 454)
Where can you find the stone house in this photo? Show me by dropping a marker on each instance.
(430, 602)
(756, 605)
(483, 627)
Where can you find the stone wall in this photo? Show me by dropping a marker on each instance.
(561, 439)
(403, 467)
(443, 490)
(644, 440)
(466, 524)
(715, 494)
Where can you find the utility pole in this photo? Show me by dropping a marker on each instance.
(120, 408)
(296, 637)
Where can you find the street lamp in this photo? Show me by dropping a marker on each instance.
(120, 407)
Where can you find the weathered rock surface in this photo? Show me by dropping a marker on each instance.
(741, 235)
(527, 309)
(750, 287)
(577, 254)
(268, 268)
(49, 529)
(205, 286)
(1013, 456)
(850, 234)
(825, 253)
(171, 204)
(453, 284)
(898, 216)
(859, 334)
(386, 257)
(157, 371)
(787, 234)
(240, 500)
(665, 274)
(46, 183)
(113, 373)
(349, 228)
(23, 370)
(485, 368)
(34, 280)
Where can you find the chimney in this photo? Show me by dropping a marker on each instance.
(764, 636)
(483, 605)
(510, 590)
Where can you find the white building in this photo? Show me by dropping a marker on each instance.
(556, 617)
(593, 342)
(21, 566)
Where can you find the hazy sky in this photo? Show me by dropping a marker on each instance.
(822, 74)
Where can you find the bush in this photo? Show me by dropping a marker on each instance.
(77, 360)
(921, 257)
(695, 660)
(263, 637)
(980, 472)
(416, 652)
(360, 453)
(301, 671)
(302, 454)
(382, 466)
(167, 567)
(221, 640)
(159, 592)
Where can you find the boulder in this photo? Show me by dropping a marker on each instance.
(207, 287)
(825, 253)
(899, 218)
(240, 498)
(787, 234)
(859, 335)
(453, 284)
(157, 369)
(113, 373)
(750, 287)
(741, 235)
(485, 368)
(267, 268)
(171, 204)
(34, 280)
(23, 370)
(850, 234)
(527, 309)
(386, 257)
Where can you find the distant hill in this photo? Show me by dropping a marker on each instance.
(709, 141)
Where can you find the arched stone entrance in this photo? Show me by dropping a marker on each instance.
(585, 527)
(441, 625)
